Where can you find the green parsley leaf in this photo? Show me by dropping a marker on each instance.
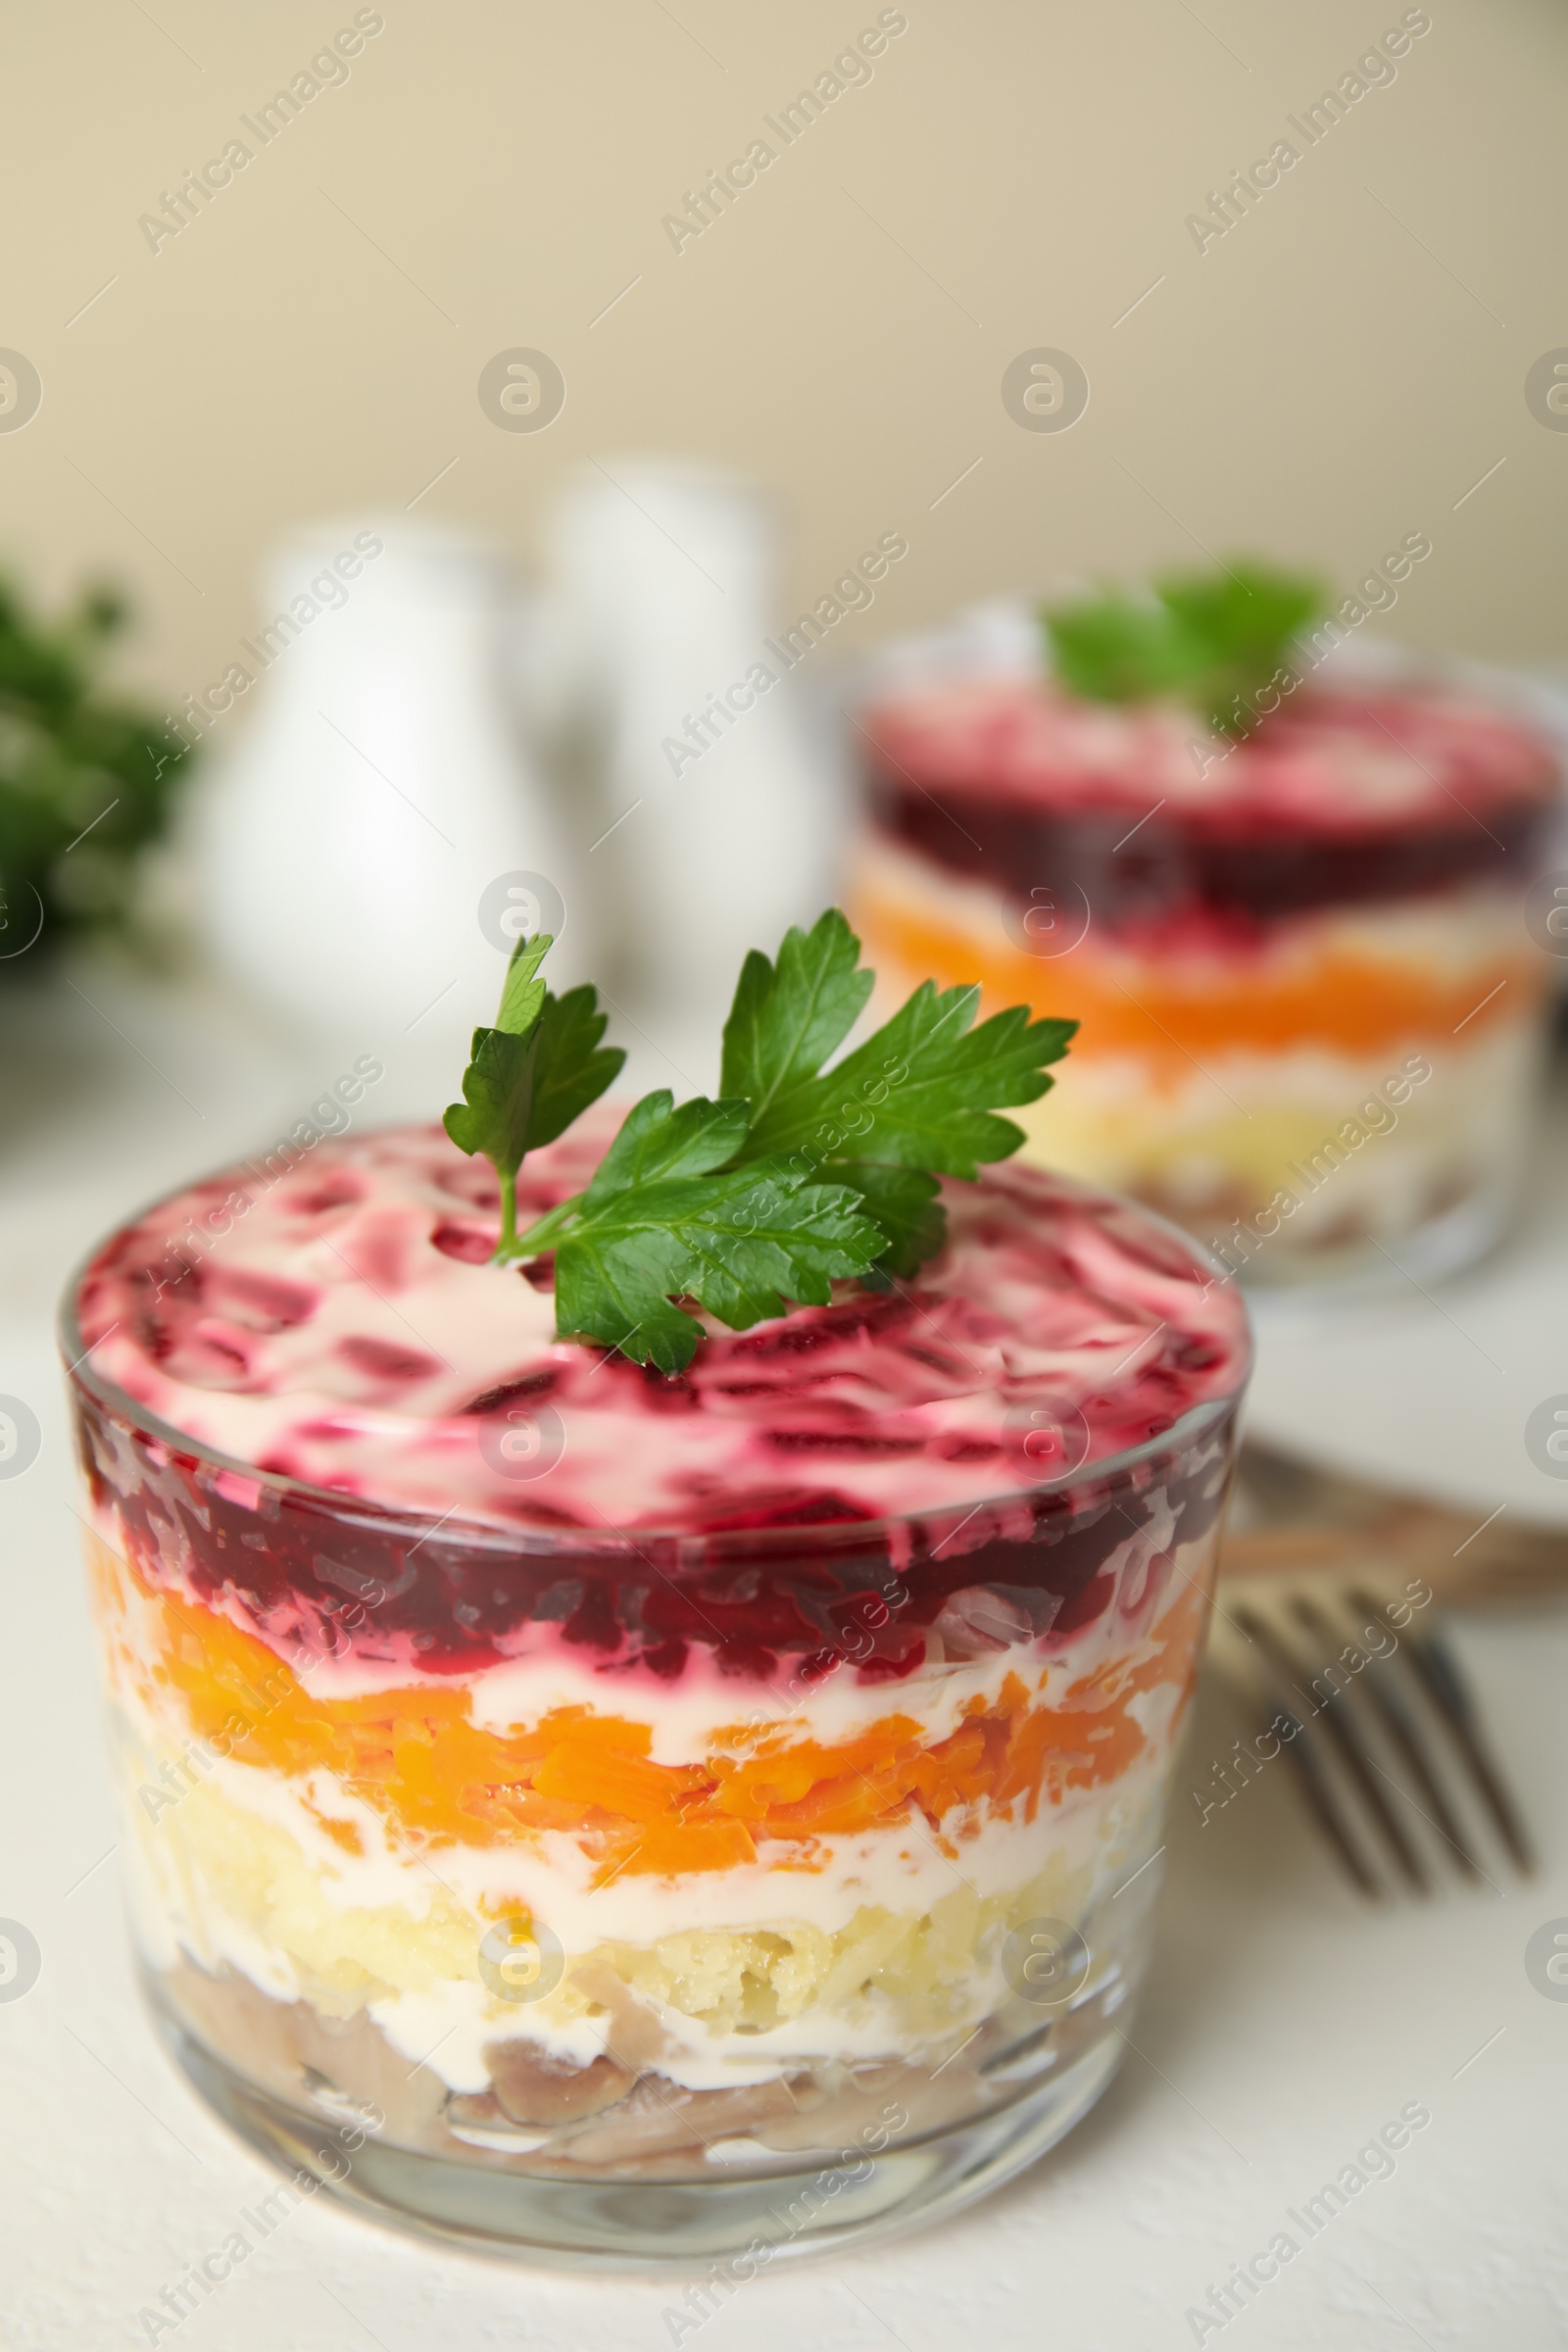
(918, 1094)
(1122, 649)
(618, 1284)
(787, 1018)
(657, 1141)
(795, 1178)
(921, 1093)
(571, 1069)
(1212, 637)
(522, 993)
(506, 1110)
(915, 1101)
(1247, 617)
(497, 1087)
(660, 1222)
(905, 1204)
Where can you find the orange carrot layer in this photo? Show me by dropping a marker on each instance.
(1355, 1005)
(417, 1758)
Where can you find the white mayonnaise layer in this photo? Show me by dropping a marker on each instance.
(398, 1912)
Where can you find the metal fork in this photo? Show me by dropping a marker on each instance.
(1362, 1691)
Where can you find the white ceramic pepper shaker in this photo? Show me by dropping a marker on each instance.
(725, 827)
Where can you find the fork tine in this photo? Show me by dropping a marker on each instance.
(1439, 1675)
(1256, 1686)
(1314, 1787)
(1402, 1732)
(1277, 1650)
(1260, 1686)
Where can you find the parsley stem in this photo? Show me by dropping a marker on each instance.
(506, 1246)
(542, 1234)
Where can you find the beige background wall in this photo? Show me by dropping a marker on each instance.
(1337, 372)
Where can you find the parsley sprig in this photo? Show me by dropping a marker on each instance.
(531, 1075)
(1209, 638)
(795, 1178)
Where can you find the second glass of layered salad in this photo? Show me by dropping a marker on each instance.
(643, 1815)
(1290, 917)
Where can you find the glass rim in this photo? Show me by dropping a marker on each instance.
(493, 1534)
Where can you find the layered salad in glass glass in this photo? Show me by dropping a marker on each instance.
(1312, 1013)
(612, 1774)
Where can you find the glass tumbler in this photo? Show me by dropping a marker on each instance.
(818, 1925)
(1312, 989)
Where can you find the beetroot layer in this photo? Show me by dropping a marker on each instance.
(1002, 783)
(1230, 882)
(321, 1575)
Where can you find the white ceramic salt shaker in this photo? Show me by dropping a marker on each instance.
(375, 836)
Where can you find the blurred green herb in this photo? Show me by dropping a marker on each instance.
(1213, 639)
(85, 778)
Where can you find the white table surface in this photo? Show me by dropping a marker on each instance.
(1284, 2024)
